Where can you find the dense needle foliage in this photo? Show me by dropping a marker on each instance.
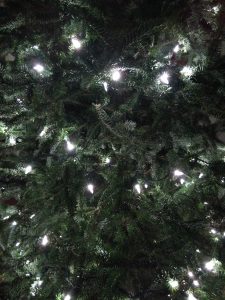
(112, 188)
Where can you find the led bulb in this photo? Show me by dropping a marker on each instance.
(76, 44)
(190, 274)
(116, 75)
(210, 265)
(196, 283)
(32, 216)
(174, 284)
(43, 132)
(14, 223)
(213, 231)
(44, 240)
(146, 185)
(17, 244)
(200, 175)
(178, 173)
(105, 84)
(182, 181)
(12, 141)
(187, 71)
(191, 296)
(70, 146)
(164, 78)
(67, 297)
(28, 169)
(90, 188)
(39, 68)
(107, 160)
(137, 187)
(176, 49)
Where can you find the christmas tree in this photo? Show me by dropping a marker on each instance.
(112, 144)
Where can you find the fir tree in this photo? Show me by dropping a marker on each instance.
(112, 147)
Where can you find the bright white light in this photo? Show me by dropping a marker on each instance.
(67, 297)
(176, 49)
(36, 47)
(216, 9)
(76, 44)
(174, 284)
(12, 141)
(116, 75)
(70, 146)
(107, 160)
(28, 169)
(164, 78)
(17, 244)
(182, 181)
(14, 223)
(190, 274)
(186, 71)
(137, 187)
(198, 251)
(43, 132)
(210, 265)
(206, 203)
(90, 188)
(191, 296)
(6, 218)
(39, 68)
(105, 84)
(201, 175)
(213, 231)
(32, 216)
(146, 185)
(44, 240)
(196, 283)
(178, 173)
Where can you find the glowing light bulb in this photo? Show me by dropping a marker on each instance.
(43, 132)
(216, 9)
(191, 296)
(176, 49)
(213, 231)
(116, 75)
(70, 146)
(164, 78)
(182, 181)
(76, 44)
(190, 274)
(44, 240)
(28, 169)
(6, 218)
(200, 175)
(210, 265)
(196, 283)
(17, 244)
(39, 68)
(174, 284)
(146, 185)
(105, 84)
(90, 188)
(67, 297)
(187, 71)
(137, 187)
(178, 173)
(32, 216)
(12, 141)
(107, 160)
(14, 223)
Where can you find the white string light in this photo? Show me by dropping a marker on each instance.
(178, 173)
(45, 241)
(39, 68)
(187, 71)
(14, 223)
(12, 141)
(190, 274)
(116, 75)
(174, 284)
(105, 84)
(76, 44)
(70, 146)
(196, 283)
(200, 175)
(212, 265)
(67, 297)
(146, 185)
(32, 216)
(164, 78)
(182, 181)
(17, 244)
(28, 169)
(176, 48)
(90, 188)
(213, 231)
(191, 296)
(137, 187)
(43, 132)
